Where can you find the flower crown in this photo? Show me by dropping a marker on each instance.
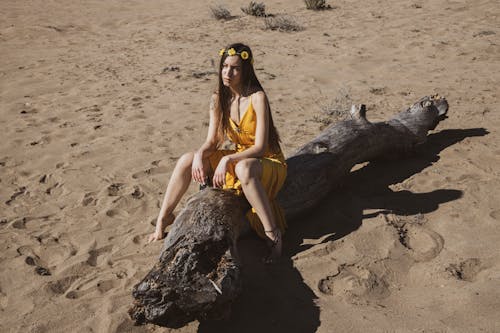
(231, 52)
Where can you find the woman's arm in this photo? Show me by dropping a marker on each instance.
(208, 147)
(210, 144)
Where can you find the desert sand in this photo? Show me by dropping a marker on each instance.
(99, 98)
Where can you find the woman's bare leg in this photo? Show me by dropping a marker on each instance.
(249, 172)
(177, 186)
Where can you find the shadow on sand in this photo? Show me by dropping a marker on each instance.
(275, 298)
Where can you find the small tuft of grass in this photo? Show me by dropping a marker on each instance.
(317, 5)
(378, 91)
(255, 9)
(220, 12)
(284, 23)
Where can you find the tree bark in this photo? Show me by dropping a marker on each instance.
(198, 275)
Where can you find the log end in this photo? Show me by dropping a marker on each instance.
(441, 104)
(438, 105)
(196, 276)
(422, 116)
(432, 103)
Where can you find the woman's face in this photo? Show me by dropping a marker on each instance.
(231, 71)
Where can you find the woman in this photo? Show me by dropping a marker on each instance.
(240, 111)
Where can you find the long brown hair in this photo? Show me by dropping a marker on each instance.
(250, 85)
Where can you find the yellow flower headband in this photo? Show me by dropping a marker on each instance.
(231, 52)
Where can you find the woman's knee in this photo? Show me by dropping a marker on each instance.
(185, 161)
(248, 169)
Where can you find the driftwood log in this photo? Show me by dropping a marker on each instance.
(198, 275)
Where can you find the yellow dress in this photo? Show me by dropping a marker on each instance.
(273, 168)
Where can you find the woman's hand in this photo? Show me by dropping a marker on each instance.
(197, 170)
(220, 172)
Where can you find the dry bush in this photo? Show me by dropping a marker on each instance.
(255, 9)
(336, 110)
(282, 23)
(340, 106)
(317, 4)
(220, 12)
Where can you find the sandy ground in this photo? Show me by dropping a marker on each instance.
(99, 98)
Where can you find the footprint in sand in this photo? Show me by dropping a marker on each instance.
(117, 213)
(61, 246)
(50, 189)
(32, 259)
(137, 117)
(467, 270)
(115, 189)
(73, 294)
(137, 194)
(105, 285)
(59, 287)
(28, 252)
(92, 113)
(495, 214)
(19, 223)
(150, 172)
(423, 243)
(20, 191)
(90, 286)
(137, 239)
(95, 253)
(89, 199)
(51, 183)
(354, 283)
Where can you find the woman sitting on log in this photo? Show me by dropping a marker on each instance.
(256, 168)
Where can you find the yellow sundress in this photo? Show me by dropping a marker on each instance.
(273, 168)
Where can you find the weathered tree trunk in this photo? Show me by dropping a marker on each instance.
(197, 277)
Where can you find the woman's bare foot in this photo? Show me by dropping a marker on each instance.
(275, 243)
(161, 224)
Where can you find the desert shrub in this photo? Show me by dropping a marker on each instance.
(220, 12)
(336, 110)
(317, 4)
(255, 9)
(340, 106)
(282, 23)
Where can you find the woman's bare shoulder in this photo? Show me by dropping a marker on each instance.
(259, 102)
(259, 97)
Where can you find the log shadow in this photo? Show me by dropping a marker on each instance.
(275, 298)
(341, 212)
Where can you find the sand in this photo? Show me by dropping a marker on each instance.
(98, 99)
